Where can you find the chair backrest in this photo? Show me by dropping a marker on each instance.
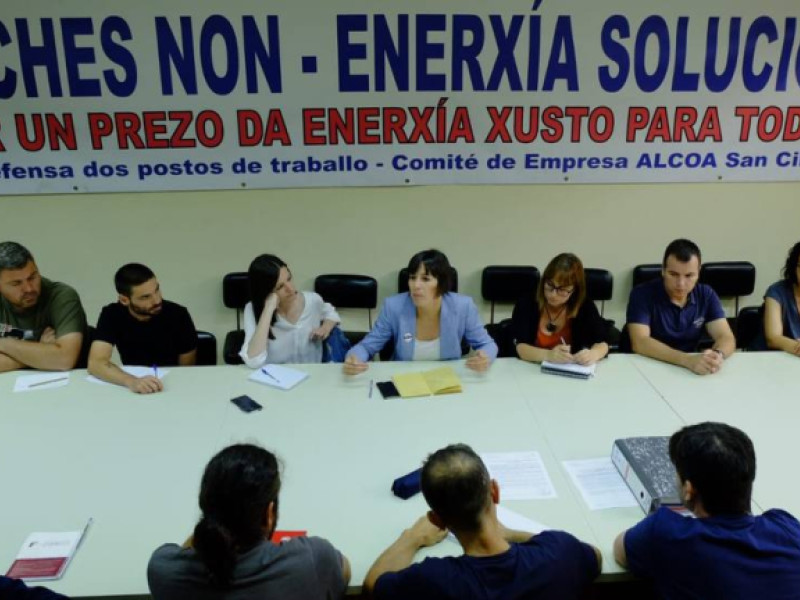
(402, 280)
(348, 291)
(504, 283)
(236, 293)
(645, 273)
(206, 349)
(748, 324)
(599, 286)
(730, 278)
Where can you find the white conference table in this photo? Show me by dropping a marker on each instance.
(134, 463)
(758, 392)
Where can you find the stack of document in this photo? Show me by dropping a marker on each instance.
(426, 383)
(568, 369)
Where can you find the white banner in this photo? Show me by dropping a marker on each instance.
(105, 95)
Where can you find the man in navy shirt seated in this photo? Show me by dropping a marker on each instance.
(146, 329)
(497, 562)
(725, 552)
(666, 317)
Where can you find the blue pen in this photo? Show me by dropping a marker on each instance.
(155, 371)
(270, 375)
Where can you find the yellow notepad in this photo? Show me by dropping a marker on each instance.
(436, 381)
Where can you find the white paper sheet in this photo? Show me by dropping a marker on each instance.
(518, 522)
(513, 520)
(521, 475)
(284, 378)
(600, 483)
(132, 370)
(41, 381)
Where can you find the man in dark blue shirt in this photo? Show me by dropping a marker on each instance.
(725, 552)
(497, 562)
(666, 317)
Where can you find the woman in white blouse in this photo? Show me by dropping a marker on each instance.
(282, 325)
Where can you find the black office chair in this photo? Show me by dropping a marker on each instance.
(599, 288)
(749, 323)
(236, 295)
(730, 279)
(645, 273)
(206, 349)
(402, 280)
(507, 284)
(349, 291)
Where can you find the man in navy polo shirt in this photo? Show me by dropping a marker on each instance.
(725, 552)
(497, 562)
(666, 317)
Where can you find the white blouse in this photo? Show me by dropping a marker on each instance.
(427, 350)
(292, 343)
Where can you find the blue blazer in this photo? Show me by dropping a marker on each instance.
(398, 321)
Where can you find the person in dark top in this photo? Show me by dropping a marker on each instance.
(14, 589)
(780, 328)
(497, 562)
(559, 324)
(146, 329)
(726, 551)
(232, 555)
(666, 317)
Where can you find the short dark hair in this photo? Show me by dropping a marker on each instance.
(237, 487)
(720, 462)
(129, 276)
(790, 267)
(13, 256)
(683, 250)
(456, 486)
(436, 265)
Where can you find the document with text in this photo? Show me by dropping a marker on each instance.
(600, 483)
(521, 475)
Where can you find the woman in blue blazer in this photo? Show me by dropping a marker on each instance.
(427, 322)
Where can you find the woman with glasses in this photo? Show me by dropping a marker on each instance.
(559, 324)
(782, 309)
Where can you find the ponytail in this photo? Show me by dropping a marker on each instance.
(238, 486)
(217, 549)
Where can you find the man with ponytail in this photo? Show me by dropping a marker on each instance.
(230, 556)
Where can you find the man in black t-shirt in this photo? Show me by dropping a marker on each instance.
(146, 329)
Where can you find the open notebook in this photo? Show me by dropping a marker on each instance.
(426, 383)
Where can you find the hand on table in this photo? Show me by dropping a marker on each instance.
(584, 357)
(479, 362)
(353, 366)
(796, 349)
(560, 354)
(146, 385)
(705, 363)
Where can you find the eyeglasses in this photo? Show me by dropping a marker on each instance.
(563, 291)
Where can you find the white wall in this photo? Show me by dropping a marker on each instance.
(192, 239)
